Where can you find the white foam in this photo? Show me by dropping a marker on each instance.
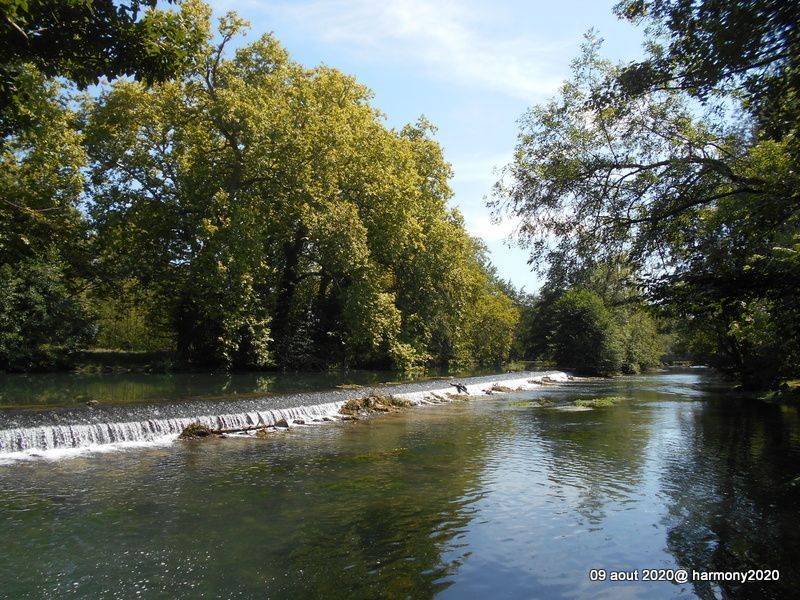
(61, 441)
(484, 388)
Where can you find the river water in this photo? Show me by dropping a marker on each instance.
(495, 497)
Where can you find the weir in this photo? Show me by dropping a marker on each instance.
(58, 433)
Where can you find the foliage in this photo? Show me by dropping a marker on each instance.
(128, 318)
(279, 222)
(40, 176)
(492, 325)
(41, 320)
(43, 157)
(83, 40)
(592, 181)
(42, 234)
(585, 337)
(685, 166)
(620, 318)
(643, 344)
(748, 48)
(235, 207)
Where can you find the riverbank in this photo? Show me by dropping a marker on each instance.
(788, 391)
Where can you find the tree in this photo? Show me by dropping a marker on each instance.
(40, 176)
(42, 320)
(642, 343)
(492, 325)
(43, 234)
(592, 182)
(278, 219)
(660, 162)
(171, 204)
(46, 265)
(615, 320)
(84, 40)
(585, 337)
(749, 48)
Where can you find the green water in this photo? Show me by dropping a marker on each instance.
(490, 498)
(19, 391)
(51, 390)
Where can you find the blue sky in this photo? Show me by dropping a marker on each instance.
(471, 67)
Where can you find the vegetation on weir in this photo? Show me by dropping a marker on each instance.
(605, 402)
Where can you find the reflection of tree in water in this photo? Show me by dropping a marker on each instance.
(599, 453)
(372, 509)
(734, 496)
(371, 519)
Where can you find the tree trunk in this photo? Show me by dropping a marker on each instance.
(290, 277)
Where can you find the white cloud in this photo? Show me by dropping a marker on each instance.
(447, 39)
(473, 179)
(481, 225)
(479, 169)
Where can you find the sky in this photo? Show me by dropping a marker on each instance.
(471, 67)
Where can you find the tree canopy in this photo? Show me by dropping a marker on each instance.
(685, 166)
(84, 40)
(247, 212)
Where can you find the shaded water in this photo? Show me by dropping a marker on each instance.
(42, 391)
(487, 498)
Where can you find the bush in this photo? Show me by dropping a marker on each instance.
(585, 336)
(491, 328)
(644, 346)
(42, 321)
(128, 319)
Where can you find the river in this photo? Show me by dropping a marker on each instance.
(494, 497)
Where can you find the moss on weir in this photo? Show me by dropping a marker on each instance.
(599, 402)
(371, 404)
(196, 431)
(532, 403)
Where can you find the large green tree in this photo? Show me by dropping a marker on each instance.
(585, 337)
(278, 219)
(82, 41)
(681, 164)
(749, 48)
(43, 235)
(46, 266)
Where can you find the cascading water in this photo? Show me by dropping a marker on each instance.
(152, 430)
(60, 433)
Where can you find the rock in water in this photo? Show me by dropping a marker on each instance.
(503, 389)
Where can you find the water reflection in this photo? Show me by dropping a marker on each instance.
(48, 390)
(338, 512)
(66, 389)
(734, 495)
(599, 454)
(489, 498)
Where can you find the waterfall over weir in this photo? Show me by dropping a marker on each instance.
(67, 433)
(54, 437)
